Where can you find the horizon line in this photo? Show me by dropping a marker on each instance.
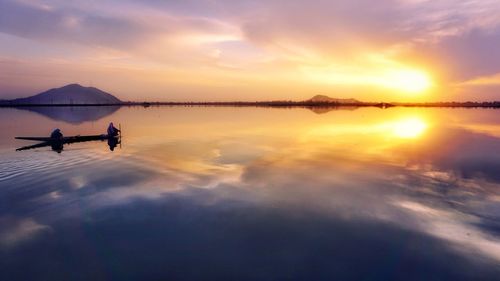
(274, 103)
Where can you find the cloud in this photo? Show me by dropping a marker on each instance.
(46, 24)
(472, 54)
(277, 39)
(14, 231)
(78, 24)
(485, 80)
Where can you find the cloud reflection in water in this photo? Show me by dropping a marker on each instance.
(262, 201)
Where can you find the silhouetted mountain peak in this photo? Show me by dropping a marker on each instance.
(323, 98)
(70, 94)
(73, 85)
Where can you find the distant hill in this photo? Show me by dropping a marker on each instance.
(69, 94)
(323, 98)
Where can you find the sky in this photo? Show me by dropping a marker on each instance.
(225, 50)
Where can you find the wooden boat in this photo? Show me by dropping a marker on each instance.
(58, 142)
(67, 139)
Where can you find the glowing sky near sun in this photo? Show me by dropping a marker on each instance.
(396, 50)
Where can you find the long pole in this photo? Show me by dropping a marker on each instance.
(120, 128)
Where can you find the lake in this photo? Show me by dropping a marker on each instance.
(243, 193)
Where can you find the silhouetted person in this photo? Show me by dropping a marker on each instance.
(56, 134)
(57, 141)
(112, 131)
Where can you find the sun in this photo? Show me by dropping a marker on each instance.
(409, 81)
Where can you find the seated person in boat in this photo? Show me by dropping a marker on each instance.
(56, 134)
(112, 131)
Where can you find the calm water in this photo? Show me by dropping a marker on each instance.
(252, 194)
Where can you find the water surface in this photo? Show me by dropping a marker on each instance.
(222, 193)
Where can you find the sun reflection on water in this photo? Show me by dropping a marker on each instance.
(409, 128)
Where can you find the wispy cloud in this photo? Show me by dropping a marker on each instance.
(486, 80)
(15, 231)
(454, 41)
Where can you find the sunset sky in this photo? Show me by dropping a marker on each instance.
(391, 50)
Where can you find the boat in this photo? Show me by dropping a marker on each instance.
(59, 142)
(68, 139)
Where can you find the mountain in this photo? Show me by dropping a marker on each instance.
(70, 94)
(323, 98)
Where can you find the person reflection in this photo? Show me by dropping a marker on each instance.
(57, 146)
(112, 143)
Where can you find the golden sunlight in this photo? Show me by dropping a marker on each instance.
(408, 81)
(409, 128)
(399, 79)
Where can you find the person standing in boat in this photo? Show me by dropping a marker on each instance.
(56, 135)
(112, 130)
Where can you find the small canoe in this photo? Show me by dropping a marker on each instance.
(44, 141)
(66, 139)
